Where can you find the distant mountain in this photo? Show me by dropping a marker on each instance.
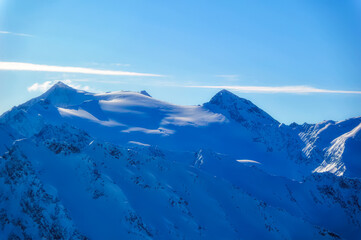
(78, 165)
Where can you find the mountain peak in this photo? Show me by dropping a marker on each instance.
(225, 97)
(225, 91)
(60, 94)
(145, 93)
(240, 109)
(58, 87)
(60, 84)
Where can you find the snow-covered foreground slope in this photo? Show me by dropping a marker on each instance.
(79, 165)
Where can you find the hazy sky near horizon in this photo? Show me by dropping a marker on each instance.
(298, 60)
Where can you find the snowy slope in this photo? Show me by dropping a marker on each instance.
(8, 136)
(337, 144)
(28, 208)
(113, 192)
(125, 165)
(323, 199)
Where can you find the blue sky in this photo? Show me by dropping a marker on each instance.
(298, 60)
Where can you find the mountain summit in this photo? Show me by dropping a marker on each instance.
(224, 96)
(61, 94)
(239, 109)
(78, 165)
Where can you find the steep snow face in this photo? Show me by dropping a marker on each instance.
(336, 153)
(335, 144)
(125, 165)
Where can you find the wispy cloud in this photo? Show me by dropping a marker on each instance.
(122, 64)
(280, 89)
(99, 81)
(229, 77)
(110, 64)
(42, 87)
(19, 66)
(16, 34)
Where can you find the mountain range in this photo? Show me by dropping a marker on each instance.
(81, 165)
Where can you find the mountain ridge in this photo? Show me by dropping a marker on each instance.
(172, 171)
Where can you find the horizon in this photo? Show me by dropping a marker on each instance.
(298, 61)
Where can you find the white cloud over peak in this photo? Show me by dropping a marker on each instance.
(43, 87)
(19, 66)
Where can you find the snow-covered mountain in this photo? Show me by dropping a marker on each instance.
(79, 165)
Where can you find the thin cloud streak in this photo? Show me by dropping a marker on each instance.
(99, 81)
(19, 66)
(16, 34)
(281, 89)
(229, 77)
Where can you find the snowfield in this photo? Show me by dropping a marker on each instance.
(123, 165)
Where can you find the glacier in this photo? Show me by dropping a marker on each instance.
(81, 165)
